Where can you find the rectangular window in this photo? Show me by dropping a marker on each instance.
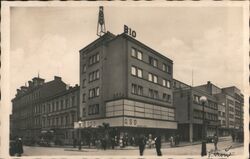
(155, 79)
(97, 91)
(164, 82)
(133, 70)
(163, 67)
(168, 84)
(151, 93)
(139, 73)
(95, 75)
(73, 101)
(139, 55)
(84, 68)
(150, 77)
(140, 90)
(83, 98)
(83, 83)
(133, 89)
(94, 92)
(93, 109)
(94, 59)
(66, 102)
(133, 52)
(97, 57)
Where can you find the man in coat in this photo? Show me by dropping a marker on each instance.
(142, 143)
(158, 145)
(19, 147)
(215, 139)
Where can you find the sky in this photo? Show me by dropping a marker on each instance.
(207, 41)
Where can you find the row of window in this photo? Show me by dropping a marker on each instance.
(135, 71)
(94, 59)
(95, 75)
(223, 114)
(55, 105)
(94, 92)
(138, 90)
(93, 109)
(209, 103)
(209, 116)
(152, 61)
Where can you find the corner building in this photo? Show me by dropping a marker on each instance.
(128, 85)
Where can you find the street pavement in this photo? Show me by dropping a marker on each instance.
(233, 148)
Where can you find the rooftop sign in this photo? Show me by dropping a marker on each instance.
(129, 31)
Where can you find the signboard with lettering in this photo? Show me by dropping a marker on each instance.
(129, 31)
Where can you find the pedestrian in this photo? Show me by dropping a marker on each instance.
(80, 144)
(171, 139)
(19, 147)
(74, 143)
(142, 143)
(113, 143)
(233, 136)
(158, 145)
(215, 140)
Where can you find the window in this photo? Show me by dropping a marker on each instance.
(73, 101)
(83, 98)
(83, 112)
(166, 97)
(133, 70)
(136, 53)
(83, 83)
(196, 99)
(62, 106)
(133, 52)
(139, 73)
(155, 79)
(164, 82)
(94, 59)
(136, 71)
(153, 94)
(93, 109)
(163, 67)
(84, 68)
(94, 92)
(168, 69)
(153, 61)
(168, 84)
(150, 77)
(139, 55)
(140, 90)
(97, 91)
(95, 75)
(137, 89)
(66, 102)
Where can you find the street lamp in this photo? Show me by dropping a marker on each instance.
(203, 100)
(80, 134)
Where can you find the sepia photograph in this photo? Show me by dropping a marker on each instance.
(125, 79)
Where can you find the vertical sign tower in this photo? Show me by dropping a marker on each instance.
(101, 23)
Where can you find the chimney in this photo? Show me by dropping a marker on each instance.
(209, 87)
(30, 84)
(57, 78)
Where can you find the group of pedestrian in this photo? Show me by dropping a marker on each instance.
(237, 137)
(174, 140)
(16, 147)
(142, 143)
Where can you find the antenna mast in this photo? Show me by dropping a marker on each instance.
(101, 29)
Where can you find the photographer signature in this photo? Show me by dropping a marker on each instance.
(215, 153)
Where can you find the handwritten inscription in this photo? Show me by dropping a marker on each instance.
(225, 153)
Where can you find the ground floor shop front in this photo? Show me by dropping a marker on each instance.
(193, 132)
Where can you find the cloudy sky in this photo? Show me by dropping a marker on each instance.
(207, 40)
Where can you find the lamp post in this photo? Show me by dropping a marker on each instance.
(80, 135)
(203, 100)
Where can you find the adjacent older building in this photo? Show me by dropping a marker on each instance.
(231, 110)
(127, 84)
(44, 107)
(189, 112)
